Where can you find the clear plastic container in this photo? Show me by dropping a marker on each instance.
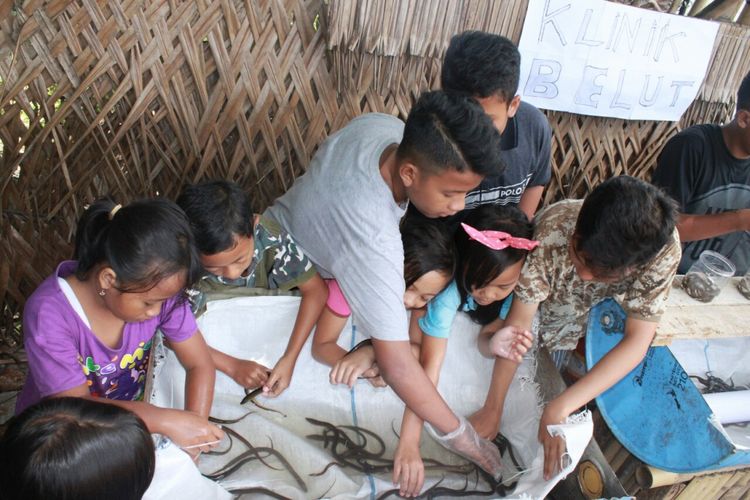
(707, 276)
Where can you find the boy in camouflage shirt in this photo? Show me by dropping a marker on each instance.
(241, 249)
(619, 242)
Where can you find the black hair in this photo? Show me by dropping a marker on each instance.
(743, 94)
(482, 65)
(479, 264)
(218, 212)
(143, 242)
(448, 130)
(428, 246)
(623, 222)
(71, 448)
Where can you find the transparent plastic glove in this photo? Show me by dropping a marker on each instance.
(466, 442)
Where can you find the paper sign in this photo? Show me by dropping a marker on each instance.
(606, 59)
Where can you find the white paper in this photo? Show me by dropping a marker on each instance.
(730, 407)
(600, 58)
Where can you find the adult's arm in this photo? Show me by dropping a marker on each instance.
(678, 171)
(701, 227)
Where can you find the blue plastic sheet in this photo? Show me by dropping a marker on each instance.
(656, 411)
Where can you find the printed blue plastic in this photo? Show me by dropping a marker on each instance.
(656, 411)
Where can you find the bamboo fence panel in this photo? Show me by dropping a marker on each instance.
(135, 99)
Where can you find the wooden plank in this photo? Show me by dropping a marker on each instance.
(687, 318)
(740, 489)
(705, 487)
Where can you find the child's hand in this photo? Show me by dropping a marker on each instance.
(486, 422)
(249, 374)
(511, 343)
(187, 429)
(373, 376)
(280, 377)
(554, 447)
(349, 368)
(408, 469)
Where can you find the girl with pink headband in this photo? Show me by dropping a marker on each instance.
(492, 246)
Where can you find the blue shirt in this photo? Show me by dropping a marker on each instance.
(443, 308)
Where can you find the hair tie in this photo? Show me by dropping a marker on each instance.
(114, 211)
(498, 240)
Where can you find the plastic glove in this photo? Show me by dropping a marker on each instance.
(466, 442)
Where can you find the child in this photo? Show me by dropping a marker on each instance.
(240, 248)
(619, 242)
(492, 246)
(75, 448)
(486, 66)
(429, 263)
(88, 328)
(345, 212)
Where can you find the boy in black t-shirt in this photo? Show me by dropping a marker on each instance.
(706, 168)
(487, 67)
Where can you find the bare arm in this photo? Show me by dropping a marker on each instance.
(183, 427)
(403, 373)
(314, 295)
(246, 373)
(200, 371)
(483, 339)
(701, 227)
(324, 345)
(487, 419)
(186, 428)
(530, 200)
(608, 371)
(408, 469)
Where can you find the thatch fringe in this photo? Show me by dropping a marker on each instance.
(585, 150)
(365, 37)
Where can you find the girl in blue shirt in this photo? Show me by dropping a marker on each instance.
(492, 245)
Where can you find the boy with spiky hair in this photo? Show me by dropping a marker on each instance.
(345, 213)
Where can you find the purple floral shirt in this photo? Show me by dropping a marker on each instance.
(64, 353)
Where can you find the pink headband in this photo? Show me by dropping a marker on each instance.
(498, 240)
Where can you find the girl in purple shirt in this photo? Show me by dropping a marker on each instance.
(89, 327)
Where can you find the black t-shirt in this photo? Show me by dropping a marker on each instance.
(526, 154)
(696, 168)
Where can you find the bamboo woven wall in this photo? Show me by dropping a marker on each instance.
(135, 98)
